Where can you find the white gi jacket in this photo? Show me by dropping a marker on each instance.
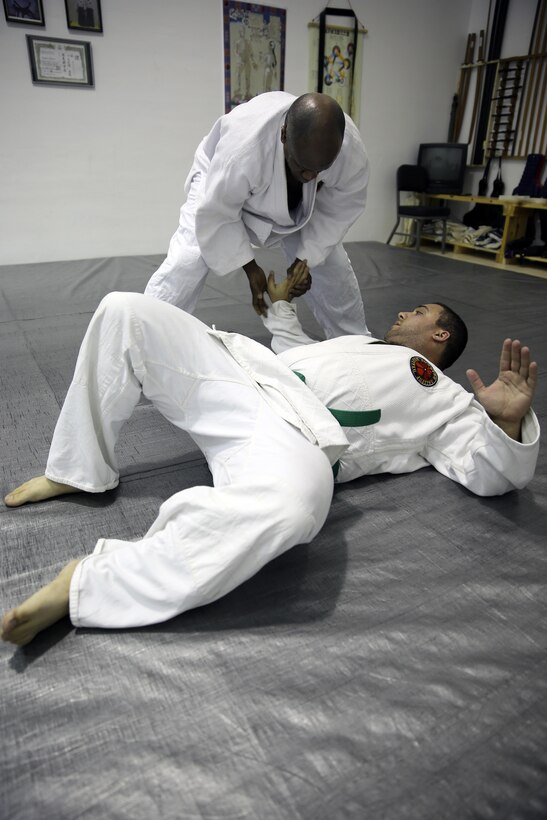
(243, 198)
(425, 418)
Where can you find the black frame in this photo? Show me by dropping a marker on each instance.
(11, 17)
(83, 46)
(77, 22)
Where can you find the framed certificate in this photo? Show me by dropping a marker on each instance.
(60, 62)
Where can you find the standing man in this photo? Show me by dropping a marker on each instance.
(276, 171)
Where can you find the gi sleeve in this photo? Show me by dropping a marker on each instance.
(282, 322)
(475, 452)
(220, 232)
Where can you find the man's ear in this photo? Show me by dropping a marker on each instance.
(441, 335)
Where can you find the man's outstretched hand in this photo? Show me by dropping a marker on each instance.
(296, 283)
(509, 397)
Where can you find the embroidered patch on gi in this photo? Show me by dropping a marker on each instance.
(423, 372)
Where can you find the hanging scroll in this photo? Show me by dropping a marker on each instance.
(336, 60)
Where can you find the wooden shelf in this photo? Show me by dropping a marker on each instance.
(530, 204)
(460, 247)
(515, 215)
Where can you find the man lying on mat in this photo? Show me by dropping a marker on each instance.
(276, 431)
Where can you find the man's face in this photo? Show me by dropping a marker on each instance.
(305, 160)
(414, 328)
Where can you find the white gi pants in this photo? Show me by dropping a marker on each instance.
(272, 487)
(334, 298)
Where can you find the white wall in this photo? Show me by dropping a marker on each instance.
(99, 172)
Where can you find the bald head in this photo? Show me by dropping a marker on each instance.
(312, 134)
(314, 113)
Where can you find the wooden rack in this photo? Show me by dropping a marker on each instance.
(518, 111)
(508, 117)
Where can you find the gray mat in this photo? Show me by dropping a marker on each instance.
(394, 668)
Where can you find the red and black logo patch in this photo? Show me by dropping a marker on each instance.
(423, 372)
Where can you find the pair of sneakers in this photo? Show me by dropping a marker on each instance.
(483, 237)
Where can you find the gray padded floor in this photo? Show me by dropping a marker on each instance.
(394, 668)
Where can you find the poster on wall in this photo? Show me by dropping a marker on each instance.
(254, 51)
(342, 65)
(29, 12)
(84, 15)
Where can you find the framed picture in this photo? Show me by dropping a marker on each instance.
(254, 51)
(28, 12)
(60, 62)
(84, 15)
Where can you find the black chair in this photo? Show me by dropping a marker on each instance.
(414, 178)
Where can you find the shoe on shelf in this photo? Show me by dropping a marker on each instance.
(530, 182)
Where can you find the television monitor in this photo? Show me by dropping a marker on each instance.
(445, 163)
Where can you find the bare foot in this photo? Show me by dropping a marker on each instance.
(44, 608)
(37, 489)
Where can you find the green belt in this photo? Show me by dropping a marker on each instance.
(349, 418)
